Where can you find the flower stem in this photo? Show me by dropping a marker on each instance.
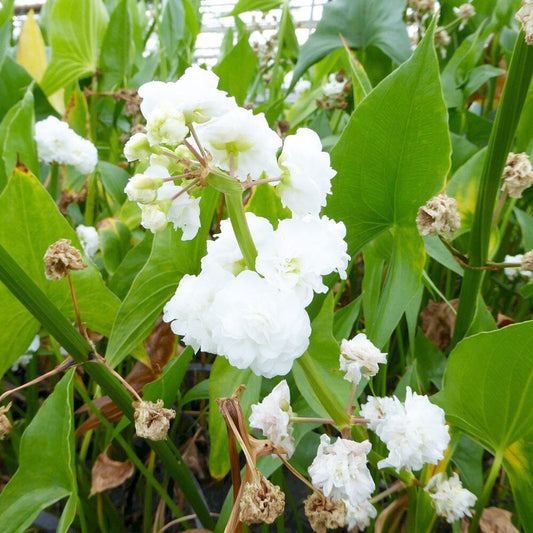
(241, 229)
(500, 142)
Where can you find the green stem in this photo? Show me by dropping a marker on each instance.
(487, 490)
(500, 142)
(241, 229)
(323, 392)
(53, 186)
(43, 309)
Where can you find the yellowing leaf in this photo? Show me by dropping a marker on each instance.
(31, 53)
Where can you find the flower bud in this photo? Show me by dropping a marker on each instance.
(324, 514)
(152, 420)
(261, 502)
(153, 218)
(61, 258)
(5, 424)
(438, 216)
(517, 174)
(525, 16)
(137, 148)
(166, 126)
(142, 188)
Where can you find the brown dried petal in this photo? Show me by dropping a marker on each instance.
(5, 424)
(438, 216)
(262, 502)
(324, 514)
(61, 258)
(152, 420)
(494, 520)
(108, 474)
(517, 174)
(527, 261)
(438, 321)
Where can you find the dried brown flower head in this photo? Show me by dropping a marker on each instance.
(517, 174)
(152, 420)
(61, 258)
(527, 261)
(324, 514)
(438, 216)
(5, 424)
(261, 502)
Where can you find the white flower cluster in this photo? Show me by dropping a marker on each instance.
(415, 431)
(228, 138)
(258, 319)
(359, 357)
(452, 501)
(57, 143)
(272, 417)
(339, 470)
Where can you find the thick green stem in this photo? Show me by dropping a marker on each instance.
(334, 408)
(53, 186)
(487, 491)
(44, 310)
(240, 227)
(500, 142)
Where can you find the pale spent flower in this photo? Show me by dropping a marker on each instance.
(359, 516)
(511, 272)
(224, 250)
(244, 137)
(465, 11)
(187, 309)
(525, 16)
(152, 420)
(257, 326)
(359, 356)
(415, 431)
(517, 174)
(451, 500)
(323, 513)
(527, 262)
(423, 5)
(261, 502)
(442, 37)
(60, 258)
(438, 216)
(5, 424)
(89, 240)
(300, 252)
(339, 470)
(272, 417)
(307, 174)
(137, 148)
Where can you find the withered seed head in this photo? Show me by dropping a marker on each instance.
(323, 514)
(262, 502)
(5, 424)
(61, 258)
(152, 420)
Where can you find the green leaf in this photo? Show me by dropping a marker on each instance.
(525, 221)
(254, 5)
(30, 223)
(488, 387)
(435, 249)
(223, 382)
(362, 24)
(117, 49)
(114, 180)
(344, 319)
(6, 10)
(402, 282)
(46, 462)
(394, 153)
(237, 70)
(170, 259)
(167, 386)
(77, 31)
(115, 242)
(317, 373)
(16, 139)
(264, 202)
(468, 457)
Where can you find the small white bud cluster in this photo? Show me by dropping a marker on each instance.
(57, 143)
(89, 239)
(465, 11)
